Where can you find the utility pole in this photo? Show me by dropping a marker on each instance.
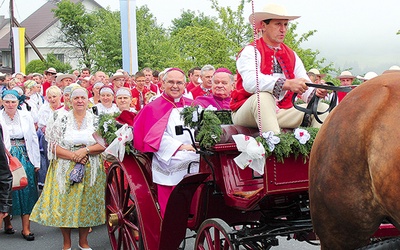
(11, 35)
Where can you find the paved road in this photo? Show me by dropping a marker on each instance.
(50, 238)
(47, 238)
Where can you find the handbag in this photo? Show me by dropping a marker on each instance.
(20, 180)
(77, 173)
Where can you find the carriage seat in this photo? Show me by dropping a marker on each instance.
(229, 129)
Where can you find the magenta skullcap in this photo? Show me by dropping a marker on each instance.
(176, 69)
(223, 70)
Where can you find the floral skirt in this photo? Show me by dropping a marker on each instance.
(23, 200)
(81, 205)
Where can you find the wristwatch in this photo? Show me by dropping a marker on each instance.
(87, 150)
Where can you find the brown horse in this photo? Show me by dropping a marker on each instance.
(355, 166)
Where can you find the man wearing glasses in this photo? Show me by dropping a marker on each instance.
(154, 131)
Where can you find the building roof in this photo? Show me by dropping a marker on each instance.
(37, 23)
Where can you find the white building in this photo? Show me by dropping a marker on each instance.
(42, 28)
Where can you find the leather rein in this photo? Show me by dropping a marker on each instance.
(312, 106)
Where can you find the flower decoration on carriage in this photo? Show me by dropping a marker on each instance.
(302, 135)
(253, 153)
(297, 142)
(117, 135)
(117, 146)
(271, 139)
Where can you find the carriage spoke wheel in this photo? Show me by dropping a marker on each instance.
(122, 217)
(214, 234)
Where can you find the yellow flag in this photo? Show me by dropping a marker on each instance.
(19, 49)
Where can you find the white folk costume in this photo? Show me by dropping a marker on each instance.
(62, 204)
(101, 109)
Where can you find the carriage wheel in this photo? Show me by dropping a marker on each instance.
(214, 234)
(122, 217)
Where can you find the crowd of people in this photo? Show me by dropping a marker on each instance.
(48, 119)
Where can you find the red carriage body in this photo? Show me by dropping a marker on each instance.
(232, 207)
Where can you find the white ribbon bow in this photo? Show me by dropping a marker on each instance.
(117, 147)
(253, 153)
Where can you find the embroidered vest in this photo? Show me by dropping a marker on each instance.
(286, 59)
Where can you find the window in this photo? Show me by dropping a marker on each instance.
(6, 59)
(60, 57)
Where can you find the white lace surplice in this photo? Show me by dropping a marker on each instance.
(169, 166)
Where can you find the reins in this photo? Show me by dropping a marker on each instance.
(312, 106)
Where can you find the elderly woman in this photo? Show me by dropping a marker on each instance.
(69, 200)
(53, 95)
(123, 99)
(106, 105)
(25, 146)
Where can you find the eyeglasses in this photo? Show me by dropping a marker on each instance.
(178, 83)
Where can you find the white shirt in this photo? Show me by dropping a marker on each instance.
(246, 67)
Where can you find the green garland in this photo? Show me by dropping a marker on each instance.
(207, 123)
(289, 145)
(108, 127)
(209, 131)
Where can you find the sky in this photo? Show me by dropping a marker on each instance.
(351, 34)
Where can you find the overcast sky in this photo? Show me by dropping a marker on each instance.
(357, 34)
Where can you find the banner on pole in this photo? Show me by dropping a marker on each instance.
(19, 48)
(128, 31)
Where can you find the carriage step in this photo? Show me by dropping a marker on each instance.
(247, 194)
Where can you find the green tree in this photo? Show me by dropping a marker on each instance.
(40, 66)
(107, 48)
(189, 18)
(76, 28)
(308, 56)
(233, 25)
(154, 47)
(201, 45)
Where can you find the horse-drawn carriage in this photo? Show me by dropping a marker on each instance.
(226, 206)
(231, 207)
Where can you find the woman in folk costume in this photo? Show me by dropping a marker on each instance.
(53, 103)
(73, 195)
(25, 146)
(107, 105)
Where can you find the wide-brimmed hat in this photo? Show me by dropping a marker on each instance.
(316, 72)
(270, 11)
(368, 76)
(118, 75)
(345, 74)
(392, 69)
(87, 78)
(51, 70)
(60, 77)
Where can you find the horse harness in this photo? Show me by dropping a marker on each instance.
(312, 106)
